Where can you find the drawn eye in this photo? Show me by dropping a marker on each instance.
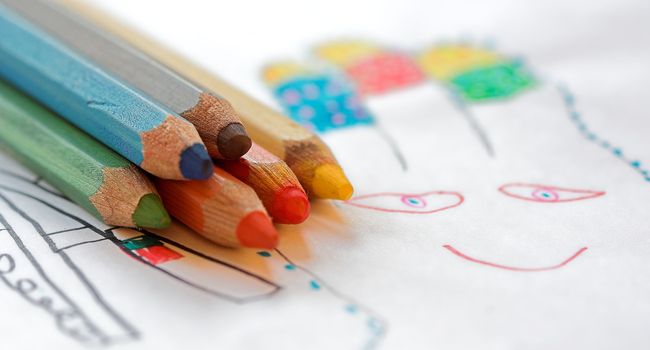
(547, 194)
(421, 203)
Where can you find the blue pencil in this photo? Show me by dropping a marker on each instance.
(146, 133)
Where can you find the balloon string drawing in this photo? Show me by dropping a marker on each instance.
(473, 75)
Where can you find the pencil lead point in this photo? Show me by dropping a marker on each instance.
(195, 163)
(233, 141)
(331, 183)
(151, 213)
(256, 230)
(290, 206)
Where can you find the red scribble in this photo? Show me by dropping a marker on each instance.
(384, 72)
(512, 268)
(158, 254)
(402, 196)
(554, 193)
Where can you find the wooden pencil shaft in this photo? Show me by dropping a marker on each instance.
(114, 55)
(121, 117)
(213, 207)
(273, 181)
(214, 118)
(305, 153)
(263, 171)
(266, 126)
(89, 173)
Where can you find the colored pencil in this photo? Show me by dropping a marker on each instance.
(221, 208)
(213, 116)
(305, 153)
(273, 181)
(124, 119)
(87, 172)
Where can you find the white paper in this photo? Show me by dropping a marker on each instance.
(480, 266)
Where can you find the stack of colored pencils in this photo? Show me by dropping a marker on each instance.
(131, 131)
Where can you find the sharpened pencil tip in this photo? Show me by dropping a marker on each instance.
(331, 183)
(233, 141)
(151, 213)
(256, 230)
(290, 206)
(196, 163)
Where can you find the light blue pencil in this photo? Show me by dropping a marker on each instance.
(131, 123)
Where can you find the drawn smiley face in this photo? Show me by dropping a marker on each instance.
(485, 82)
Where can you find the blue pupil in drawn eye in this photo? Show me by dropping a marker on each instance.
(414, 201)
(545, 195)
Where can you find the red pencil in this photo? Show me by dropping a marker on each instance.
(222, 208)
(274, 182)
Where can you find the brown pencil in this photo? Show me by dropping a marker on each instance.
(305, 153)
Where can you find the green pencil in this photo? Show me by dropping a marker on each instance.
(86, 171)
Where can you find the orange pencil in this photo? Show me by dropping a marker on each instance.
(274, 182)
(221, 208)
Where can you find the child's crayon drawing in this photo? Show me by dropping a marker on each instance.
(514, 268)
(322, 100)
(325, 100)
(471, 73)
(375, 325)
(475, 73)
(55, 249)
(578, 121)
(373, 70)
(318, 100)
(546, 194)
(413, 203)
(151, 249)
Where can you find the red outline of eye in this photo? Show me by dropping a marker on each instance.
(459, 196)
(513, 268)
(588, 194)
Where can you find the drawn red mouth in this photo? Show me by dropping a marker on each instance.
(514, 268)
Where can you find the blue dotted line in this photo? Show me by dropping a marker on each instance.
(576, 118)
(375, 326)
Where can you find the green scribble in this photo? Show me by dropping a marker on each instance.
(494, 82)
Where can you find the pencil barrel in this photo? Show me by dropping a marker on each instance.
(221, 208)
(215, 120)
(274, 182)
(87, 172)
(101, 105)
(317, 169)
